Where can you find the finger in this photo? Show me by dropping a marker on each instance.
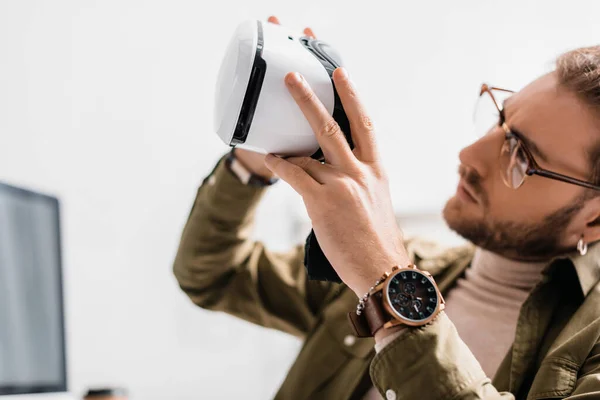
(274, 20)
(309, 32)
(361, 125)
(321, 173)
(327, 131)
(295, 176)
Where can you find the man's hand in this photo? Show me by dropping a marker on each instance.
(347, 198)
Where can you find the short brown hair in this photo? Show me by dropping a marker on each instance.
(579, 71)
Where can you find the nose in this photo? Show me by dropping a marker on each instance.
(483, 155)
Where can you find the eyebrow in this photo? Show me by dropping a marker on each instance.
(530, 144)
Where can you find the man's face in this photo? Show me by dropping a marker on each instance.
(544, 217)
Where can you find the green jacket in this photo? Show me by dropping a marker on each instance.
(556, 352)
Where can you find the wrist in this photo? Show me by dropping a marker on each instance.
(245, 175)
(385, 264)
(382, 334)
(254, 163)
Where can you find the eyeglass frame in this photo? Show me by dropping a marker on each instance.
(533, 167)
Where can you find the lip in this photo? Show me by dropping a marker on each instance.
(465, 192)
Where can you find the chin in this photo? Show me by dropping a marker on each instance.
(454, 210)
(451, 211)
(462, 218)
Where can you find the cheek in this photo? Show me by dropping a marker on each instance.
(537, 198)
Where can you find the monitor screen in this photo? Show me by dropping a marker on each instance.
(32, 340)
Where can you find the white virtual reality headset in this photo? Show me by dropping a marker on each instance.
(254, 109)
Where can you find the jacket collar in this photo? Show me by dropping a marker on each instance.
(587, 267)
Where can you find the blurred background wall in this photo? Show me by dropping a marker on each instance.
(108, 104)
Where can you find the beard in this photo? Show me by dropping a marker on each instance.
(516, 240)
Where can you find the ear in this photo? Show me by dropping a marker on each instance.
(591, 220)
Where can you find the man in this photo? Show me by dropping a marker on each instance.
(522, 313)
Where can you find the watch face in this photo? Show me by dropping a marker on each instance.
(412, 295)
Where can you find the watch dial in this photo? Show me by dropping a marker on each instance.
(413, 295)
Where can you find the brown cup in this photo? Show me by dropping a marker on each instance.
(106, 394)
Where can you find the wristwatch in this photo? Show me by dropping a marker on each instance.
(406, 296)
(241, 172)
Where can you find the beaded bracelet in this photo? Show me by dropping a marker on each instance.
(361, 303)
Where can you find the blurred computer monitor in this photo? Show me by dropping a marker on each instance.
(32, 331)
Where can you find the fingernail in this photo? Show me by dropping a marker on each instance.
(343, 72)
(294, 79)
(269, 159)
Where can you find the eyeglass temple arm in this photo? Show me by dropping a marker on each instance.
(486, 88)
(562, 178)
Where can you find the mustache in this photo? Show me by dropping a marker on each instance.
(473, 179)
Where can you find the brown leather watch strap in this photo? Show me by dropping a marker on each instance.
(372, 317)
(359, 324)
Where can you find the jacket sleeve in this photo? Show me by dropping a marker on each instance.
(220, 268)
(431, 362)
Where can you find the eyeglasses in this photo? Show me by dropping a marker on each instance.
(516, 160)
